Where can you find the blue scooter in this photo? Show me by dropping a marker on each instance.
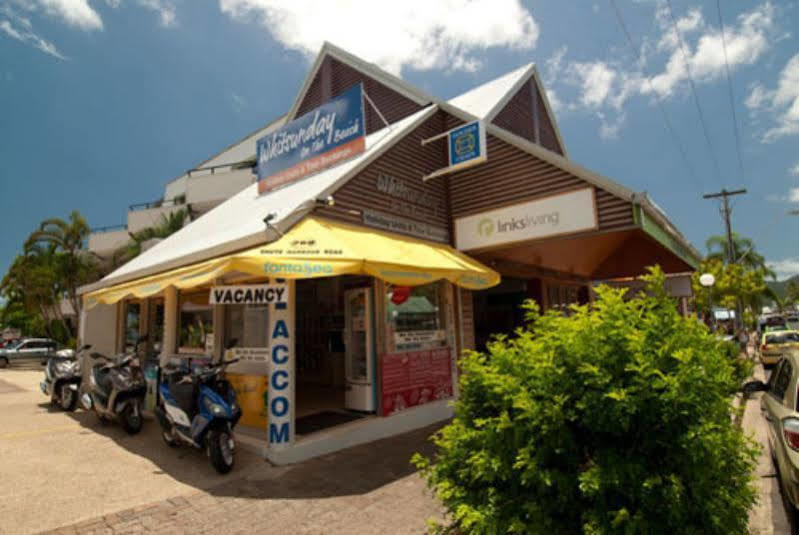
(197, 407)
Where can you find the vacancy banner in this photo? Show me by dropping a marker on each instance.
(322, 138)
(248, 294)
(415, 378)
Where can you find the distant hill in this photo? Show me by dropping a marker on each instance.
(780, 287)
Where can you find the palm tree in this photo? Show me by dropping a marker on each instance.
(743, 252)
(168, 225)
(74, 266)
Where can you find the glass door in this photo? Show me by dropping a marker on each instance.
(358, 341)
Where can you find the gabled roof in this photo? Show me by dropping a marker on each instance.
(238, 222)
(485, 101)
(370, 69)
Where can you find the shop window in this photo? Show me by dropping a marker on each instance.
(156, 327)
(247, 325)
(196, 324)
(132, 318)
(415, 317)
(560, 296)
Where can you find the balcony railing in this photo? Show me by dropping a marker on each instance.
(177, 201)
(109, 228)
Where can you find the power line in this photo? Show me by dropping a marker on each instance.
(732, 98)
(693, 91)
(659, 102)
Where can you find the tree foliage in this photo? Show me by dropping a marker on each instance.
(168, 225)
(615, 419)
(734, 283)
(743, 250)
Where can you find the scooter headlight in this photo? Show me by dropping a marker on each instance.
(214, 408)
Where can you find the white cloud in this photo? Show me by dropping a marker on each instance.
(596, 79)
(164, 9)
(76, 13)
(606, 85)
(782, 103)
(746, 42)
(238, 102)
(795, 170)
(784, 268)
(609, 127)
(21, 29)
(793, 195)
(441, 34)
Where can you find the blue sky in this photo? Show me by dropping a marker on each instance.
(103, 101)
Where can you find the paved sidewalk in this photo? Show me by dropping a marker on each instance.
(366, 489)
(769, 516)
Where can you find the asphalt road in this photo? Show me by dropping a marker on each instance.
(59, 468)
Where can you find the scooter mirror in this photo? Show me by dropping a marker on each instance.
(85, 347)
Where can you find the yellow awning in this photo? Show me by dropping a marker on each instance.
(322, 248)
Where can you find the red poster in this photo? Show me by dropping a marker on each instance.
(415, 378)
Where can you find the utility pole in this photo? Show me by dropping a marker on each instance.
(725, 213)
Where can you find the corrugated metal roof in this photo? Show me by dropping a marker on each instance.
(482, 100)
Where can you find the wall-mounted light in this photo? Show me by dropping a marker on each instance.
(268, 222)
(328, 201)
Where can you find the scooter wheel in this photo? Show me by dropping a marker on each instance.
(221, 448)
(169, 438)
(131, 419)
(68, 398)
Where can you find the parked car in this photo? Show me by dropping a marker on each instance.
(779, 407)
(776, 344)
(28, 350)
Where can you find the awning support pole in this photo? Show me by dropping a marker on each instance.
(170, 324)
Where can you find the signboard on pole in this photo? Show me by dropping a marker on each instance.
(466, 146)
(321, 138)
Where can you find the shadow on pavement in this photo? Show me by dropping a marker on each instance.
(357, 470)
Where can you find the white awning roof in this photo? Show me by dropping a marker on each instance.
(238, 222)
(483, 99)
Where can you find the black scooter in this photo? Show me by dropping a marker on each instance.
(116, 390)
(62, 378)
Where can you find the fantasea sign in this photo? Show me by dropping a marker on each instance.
(321, 138)
(248, 294)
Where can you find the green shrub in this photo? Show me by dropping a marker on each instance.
(613, 420)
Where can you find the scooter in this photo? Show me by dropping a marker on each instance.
(116, 390)
(198, 408)
(62, 378)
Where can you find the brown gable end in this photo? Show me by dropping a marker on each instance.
(517, 117)
(335, 77)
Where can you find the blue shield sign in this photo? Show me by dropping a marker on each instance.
(467, 144)
(320, 139)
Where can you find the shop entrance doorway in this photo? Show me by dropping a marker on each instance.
(498, 310)
(334, 348)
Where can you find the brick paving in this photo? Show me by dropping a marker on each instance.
(366, 489)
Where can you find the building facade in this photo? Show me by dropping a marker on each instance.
(383, 263)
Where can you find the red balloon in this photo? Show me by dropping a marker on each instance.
(400, 294)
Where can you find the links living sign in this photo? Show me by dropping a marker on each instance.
(322, 138)
(565, 213)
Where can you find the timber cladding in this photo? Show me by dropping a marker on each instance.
(335, 77)
(393, 185)
(512, 176)
(517, 116)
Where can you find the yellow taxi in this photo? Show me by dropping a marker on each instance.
(775, 344)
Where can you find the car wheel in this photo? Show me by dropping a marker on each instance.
(3, 362)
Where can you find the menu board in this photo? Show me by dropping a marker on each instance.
(415, 378)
